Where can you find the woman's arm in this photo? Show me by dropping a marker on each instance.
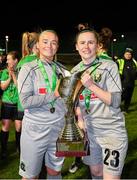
(111, 96)
(80, 120)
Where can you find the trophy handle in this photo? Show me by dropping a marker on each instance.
(58, 84)
(77, 90)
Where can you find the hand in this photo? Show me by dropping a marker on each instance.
(13, 74)
(10, 68)
(81, 124)
(10, 73)
(87, 80)
(56, 93)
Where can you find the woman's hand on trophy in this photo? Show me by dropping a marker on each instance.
(81, 124)
(56, 93)
(80, 120)
(87, 80)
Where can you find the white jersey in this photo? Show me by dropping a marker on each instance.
(34, 96)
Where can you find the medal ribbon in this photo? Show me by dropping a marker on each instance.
(86, 92)
(45, 75)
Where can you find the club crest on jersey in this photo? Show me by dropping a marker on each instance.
(22, 166)
(97, 77)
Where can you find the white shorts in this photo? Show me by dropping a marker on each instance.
(38, 142)
(109, 151)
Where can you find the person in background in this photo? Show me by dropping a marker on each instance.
(29, 48)
(9, 102)
(29, 53)
(3, 65)
(128, 72)
(104, 42)
(98, 110)
(44, 110)
(115, 58)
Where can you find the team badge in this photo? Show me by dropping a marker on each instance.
(97, 77)
(22, 166)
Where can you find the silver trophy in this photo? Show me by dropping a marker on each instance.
(72, 141)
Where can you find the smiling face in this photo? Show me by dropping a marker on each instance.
(47, 45)
(12, 60)
(87, 45)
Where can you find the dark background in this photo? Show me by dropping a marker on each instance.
(63, 16)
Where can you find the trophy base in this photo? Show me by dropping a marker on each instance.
(72, 148)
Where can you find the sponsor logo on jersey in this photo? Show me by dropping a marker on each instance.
(42, 90)
(22, 166)
(93, 96)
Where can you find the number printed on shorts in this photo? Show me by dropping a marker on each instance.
(111, 158)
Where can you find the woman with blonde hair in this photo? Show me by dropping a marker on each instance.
(44, 110)
(29, 53)
(29, 47)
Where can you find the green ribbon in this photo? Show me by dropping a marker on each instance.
(50, 88)
(45, 75)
